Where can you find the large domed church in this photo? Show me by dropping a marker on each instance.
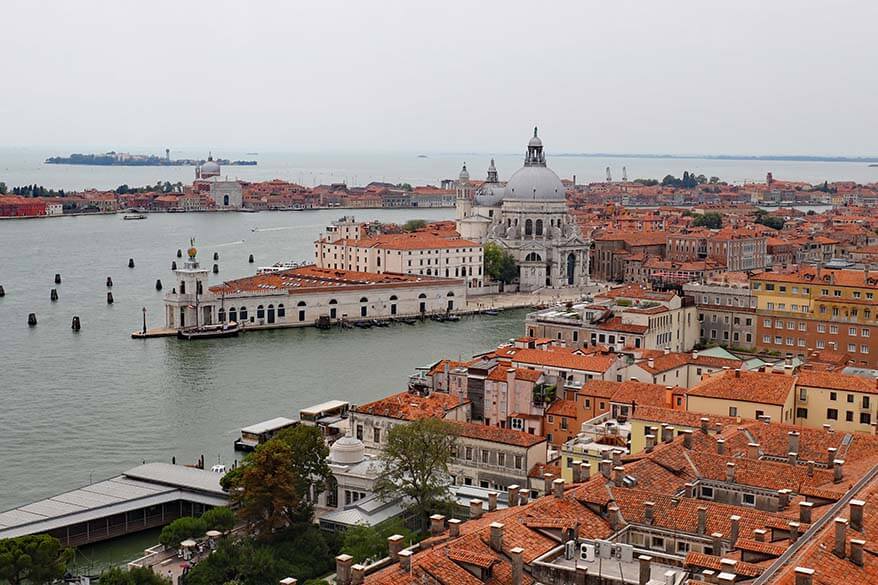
(528, 217)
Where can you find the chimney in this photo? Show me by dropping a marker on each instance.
(650, 362)
(690, 490)
(805, 510)
(687, 438)
(615, 518)
(753, 450)
(735, 530)
(721, 446)
(405, 561)
(497, 536)
(709, 576)
(584, 471)
(512, 495)
(343, 569)
(737, 372)
(760, 534)
(810, 469)
(618, 474)
(730, 472)
(841, 526)
(716, 539)
(575, 469)
(705, 424)
(667, 350)
(793, 458)
(523, 496)
(454, 528)
(830, 456)
(837, 474)
(649, 511)
(605, 466)
(694, 354)
(437, 524)
(794, 530)
(650, 443)
(492, 501)
(827, 427)
(358, 574)
(719, 427)
(856, 513)
(517, 564)
(558, 488)
(804, 576)
(793, 442)
(475, 508)
(783, 498)
(667, 433)
(547, 483)
(702, 520)
(394, 545)
(857, 551)
(617, 458)
(645, 562)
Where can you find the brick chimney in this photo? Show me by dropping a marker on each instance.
(515, 556)
(735, 530)
(793, 458)
(394, 545)
(548, 478)
(650, 442)
(805, 512)
(584, 471)
(793, 442)
(687, 438)
(759, 534)
(810, 468)
(558, 488)
(730, 472)
(841, 526)
(856, 513)
(721, 446)
(343, 569)
(753, 450)
(795, 530)
(857, 545)
(437, 524)
(575, 470)
(649, 511)
(783, 498)
(475, 508)
(645, 565)
(837, 472)
(454, 527)
(615, 517)
(667, 433)
(606, 467)
(705, 424)
(618, 474)
(716, 539)
(617, 458)
(702, 520)
(830, 455)
(523, 496)
(405, 561)
(358, 574)
(497, 536)
(804, 576)
(650, 363)
(512, 495)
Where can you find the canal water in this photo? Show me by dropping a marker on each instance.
(81, 407)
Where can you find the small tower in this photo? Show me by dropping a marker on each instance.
(624, 174)
(492, 173)
(189, 303)
(609, 176)
(463, 202)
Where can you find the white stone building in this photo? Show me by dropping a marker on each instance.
(528, 217)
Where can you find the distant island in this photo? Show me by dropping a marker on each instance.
(122, 159)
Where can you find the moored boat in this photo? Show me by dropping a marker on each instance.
(131, 216)
(231, 329)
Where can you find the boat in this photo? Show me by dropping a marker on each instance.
(363, 324)
(279, 266)
(130, 216)
(255, 435)
(230, 329)
(409, 320)
(453, 318)
(491, 312)
(422, 156)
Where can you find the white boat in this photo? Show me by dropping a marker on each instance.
(130, 216)
(280, 266)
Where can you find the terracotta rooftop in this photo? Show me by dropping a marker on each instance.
(409, 406)
(761, 387)
(497, 435)
(557, 358)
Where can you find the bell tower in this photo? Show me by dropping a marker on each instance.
(463, 202)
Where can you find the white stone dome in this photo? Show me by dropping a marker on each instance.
(210, 167)
(347, 451)
(535, 183)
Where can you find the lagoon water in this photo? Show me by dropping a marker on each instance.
(80, 407)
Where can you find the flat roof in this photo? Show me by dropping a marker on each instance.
(324, 406)
(146, 485)
(269, 425)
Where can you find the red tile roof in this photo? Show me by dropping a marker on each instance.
(498, 435)
(409, 406)
(760, 387)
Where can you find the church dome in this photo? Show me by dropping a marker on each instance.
(347, 451)
(538, 183)
(210, 168)
(490, 195)
(464, 174)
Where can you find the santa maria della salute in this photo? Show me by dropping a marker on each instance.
(528, 217)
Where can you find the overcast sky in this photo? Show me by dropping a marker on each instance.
(755, 77)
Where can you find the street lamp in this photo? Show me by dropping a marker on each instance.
(144, 320)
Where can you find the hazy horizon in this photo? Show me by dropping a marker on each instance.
(688, 78)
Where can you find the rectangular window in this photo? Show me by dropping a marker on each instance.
(801, 413)
(832, 414)
(865, 418)
(376, 434)
(707, 492)
(748, 499)
(864, 349)
(484, 456)
(682, 547)
(849, 416)
(469, 453)
(360, 432)
(733, 411)
(501, 459)
(852, 331)
(657, 543)
(518, 462)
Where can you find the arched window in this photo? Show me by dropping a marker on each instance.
(271, 313)
(333, 310)
(450, 293)
(364, 308)
(260, 312)
(233, 314)
(422, 303)
(182, 287)
(533, 257)
(528, 227)
(422, 296)
(242, 312)
(429, 272)
(281, 310)
(221, 315)
(539, 227)
(225, 199)
(393, 298)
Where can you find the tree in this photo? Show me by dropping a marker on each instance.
(2, 188)
(365, 542)
(33, 559)
(135, 576)
(499, 264)
(181, 529)
(221, 518)
(771, 221)
(274, 484)
(416, 460)
(711, 220)
(414, 225)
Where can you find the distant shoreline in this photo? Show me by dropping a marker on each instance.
(775, 158)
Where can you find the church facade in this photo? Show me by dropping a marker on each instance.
(528, 217)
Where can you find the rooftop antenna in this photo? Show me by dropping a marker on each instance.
(609, 176)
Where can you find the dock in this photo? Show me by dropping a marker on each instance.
(154, 332)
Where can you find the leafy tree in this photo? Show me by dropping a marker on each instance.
(272, 487)
(405, 186)
(773, 222)
(181, 529)
(414, 225)
(646, 182)
(416, 460)
(134, 576)
(2, 188)
(499, 264)
(714, 180)
(365, 542)
(711, 220)
(221, 518)
(33, 559)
